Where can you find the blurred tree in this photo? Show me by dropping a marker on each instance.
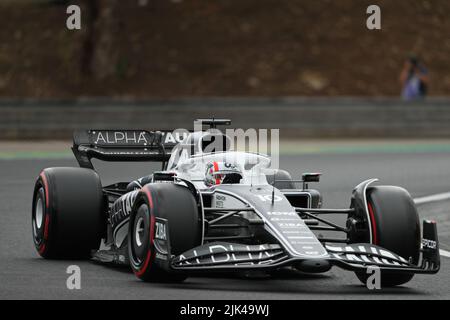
(58, 1)
(100, 54)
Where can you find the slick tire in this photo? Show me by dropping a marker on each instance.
(395, 226)
(177, 205)
(67, 213)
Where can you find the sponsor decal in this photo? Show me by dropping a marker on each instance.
(429, 244)
(235, 254)
(282, 213)
(121, 209)
(136, 137)
(283, 219)
(291, 225)
(122, 137)
(220, 200)
(174, 137)
(160, 231)
(366, 254)
(268, 197)
(161, 242)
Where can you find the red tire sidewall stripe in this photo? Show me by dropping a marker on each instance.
(147, 262)
(373, 223)
(44, 180)
(43, 246)
(47, 221)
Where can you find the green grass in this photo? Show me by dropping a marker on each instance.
(17, 155)
(368, 148)
(286, 148)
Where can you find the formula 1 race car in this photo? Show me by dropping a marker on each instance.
(217, 209)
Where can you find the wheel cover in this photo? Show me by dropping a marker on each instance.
(39, 213)
(139, 232)
(140, 237)
(38, 216)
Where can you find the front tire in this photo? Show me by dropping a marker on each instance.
(178, 206)
(395, 226)
(67, 213)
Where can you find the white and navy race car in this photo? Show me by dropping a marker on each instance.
(216, 209)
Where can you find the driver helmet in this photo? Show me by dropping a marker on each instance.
(221, 172)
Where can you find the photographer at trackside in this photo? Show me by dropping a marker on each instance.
(414, 79)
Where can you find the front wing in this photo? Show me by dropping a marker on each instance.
(224, 256)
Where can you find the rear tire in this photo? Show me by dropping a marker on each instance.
(67, 214)
(395, 226)
(174, 203)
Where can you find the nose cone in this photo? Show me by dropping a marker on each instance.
(313, 266)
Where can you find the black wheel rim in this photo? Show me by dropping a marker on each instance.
(38, 217)
(140, 235)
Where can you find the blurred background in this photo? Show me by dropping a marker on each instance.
(313, 66)
(172, 48)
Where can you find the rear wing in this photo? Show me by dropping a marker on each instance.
(124, 145)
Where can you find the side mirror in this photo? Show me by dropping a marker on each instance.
(310, 177)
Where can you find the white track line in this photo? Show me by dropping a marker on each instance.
(433, 198)
(444, 253)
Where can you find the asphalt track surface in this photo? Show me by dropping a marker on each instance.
(23, 275)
